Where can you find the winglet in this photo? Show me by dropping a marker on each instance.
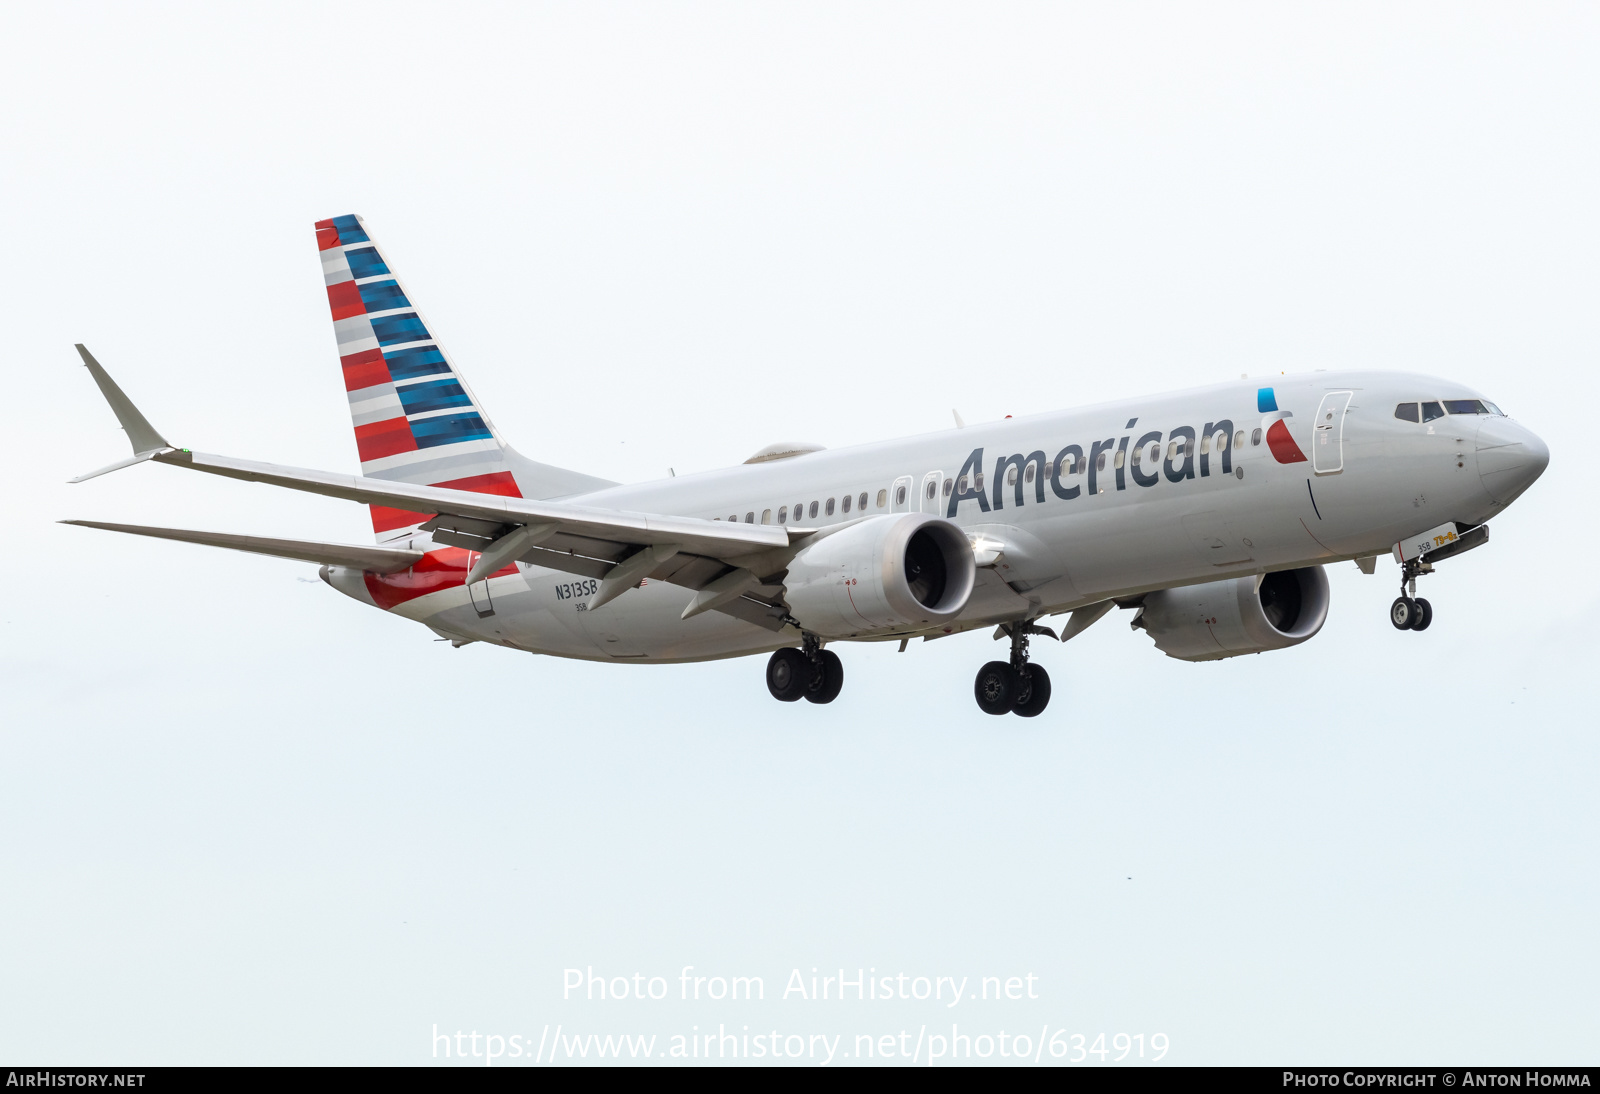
(142, 435)
(118, 466)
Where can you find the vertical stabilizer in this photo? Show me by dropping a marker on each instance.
(415, 418)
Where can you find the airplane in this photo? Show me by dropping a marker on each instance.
(1209, 513)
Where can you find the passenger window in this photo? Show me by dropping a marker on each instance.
(861, 502)
(1238, 440)
(949, 484)
(1430, 411)
(766, 516)
(1406, 412)
(933, 488)
(1255, 436)
(813, 510)
(900, 495)
(1011, 477)
(749, 518)
(733, 518)
(783, 514)
(1172, 451)
(847, 503)
(883, 498)
(1122, 457)
(1029, 476)
(964, 489)
(1205, 445)
(1100, 463)
(1138, 457)
(799, 509)
(828, 509)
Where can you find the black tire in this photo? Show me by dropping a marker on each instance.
(995, 687)
(1425, 617)
(788, 674)
(1403, 613)
(827, 677)
(1034, 694)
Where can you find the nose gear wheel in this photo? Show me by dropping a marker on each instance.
(1410, 612)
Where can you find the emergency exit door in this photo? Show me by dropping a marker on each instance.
(900, 499)
(931, 501)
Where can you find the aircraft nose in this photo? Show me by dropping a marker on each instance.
(1510, 458)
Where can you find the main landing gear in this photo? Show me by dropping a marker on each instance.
(1014, 687)
(810, 673)
(1410, 612)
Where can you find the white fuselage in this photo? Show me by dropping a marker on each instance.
(1203, 510)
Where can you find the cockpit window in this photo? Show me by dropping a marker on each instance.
(1430, 411)
(1406, 412)
(1466, 406)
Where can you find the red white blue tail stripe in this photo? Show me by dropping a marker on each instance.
(415, 418)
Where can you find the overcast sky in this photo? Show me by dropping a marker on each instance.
(248, 820)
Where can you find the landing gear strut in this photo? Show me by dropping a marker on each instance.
(811, 673)
(1409, 612)
(1014, 687)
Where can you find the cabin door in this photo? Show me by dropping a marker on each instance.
(1327, 434)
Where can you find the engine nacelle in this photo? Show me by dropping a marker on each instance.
(1243, 615)
(885, 573)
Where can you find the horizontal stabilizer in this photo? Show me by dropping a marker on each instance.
(378, 560)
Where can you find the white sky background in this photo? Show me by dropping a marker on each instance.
(247, 820)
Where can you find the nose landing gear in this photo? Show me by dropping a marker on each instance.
(811, 673)
(1410, 612)
(1015, 686)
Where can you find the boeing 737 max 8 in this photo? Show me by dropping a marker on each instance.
(1209, 513)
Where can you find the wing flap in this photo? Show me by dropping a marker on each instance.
(566, 562)
(750, 611)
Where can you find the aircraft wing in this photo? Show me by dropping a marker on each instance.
(723, 561)
(380, 560)
(577, 523)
